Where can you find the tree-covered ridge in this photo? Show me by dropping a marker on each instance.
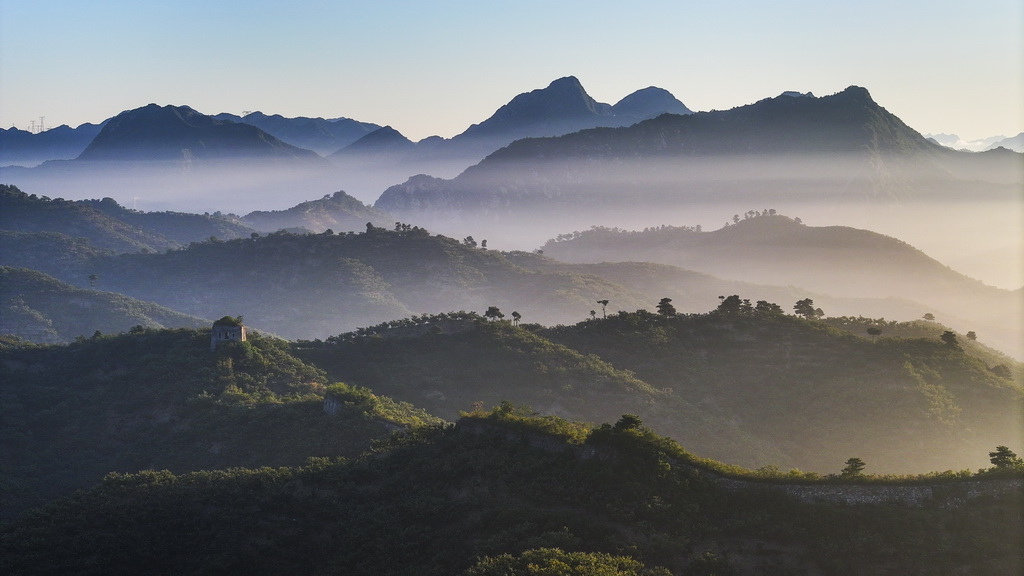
(779, 376)
(161, 399)
(764, 247)
(453, 370)
(338, 212)
(741, 384)
(107, 225)
(493, 491)
(315, 285)
(40, 308)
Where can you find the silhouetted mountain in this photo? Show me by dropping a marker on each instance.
(338, 212)
(24, 148)
(561, 108)
(385, 157)
(837, 146)
(179, 133)
(39, 308)
(647, 103)
(386, 141)
(317, 134)
(1015, 143)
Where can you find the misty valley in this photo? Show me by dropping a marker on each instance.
(577, 338)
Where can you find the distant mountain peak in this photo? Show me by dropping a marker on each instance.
(380, 140)
(155, 132)
(648, 103)
(857, 92)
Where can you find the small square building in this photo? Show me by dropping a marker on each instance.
(227, 329)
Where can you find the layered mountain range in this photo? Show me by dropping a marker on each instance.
(199, 155)
(840, 146)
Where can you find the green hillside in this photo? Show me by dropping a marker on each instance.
(505, 490)
(484, 363)
(39, 308)
(902, 404)
(161, 399)
(742, 387)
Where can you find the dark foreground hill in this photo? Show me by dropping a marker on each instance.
(161, 399)
(751, 388)
(438, 500)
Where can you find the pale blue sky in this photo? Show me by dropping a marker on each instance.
(436, 67)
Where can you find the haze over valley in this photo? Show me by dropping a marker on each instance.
(334, 289)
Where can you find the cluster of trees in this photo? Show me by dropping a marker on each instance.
(415, 321)
(605, 231)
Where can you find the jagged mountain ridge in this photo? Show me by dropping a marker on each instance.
(838, 146)
(563, 107)
(323, 136)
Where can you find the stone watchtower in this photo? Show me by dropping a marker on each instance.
(227, 329)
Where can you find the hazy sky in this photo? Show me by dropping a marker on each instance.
(435, 67)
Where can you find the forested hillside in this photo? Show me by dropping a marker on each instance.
(105, 224)
(161, 399)
(315, 285)
(742, 384)
(40, 308)
(507, 490)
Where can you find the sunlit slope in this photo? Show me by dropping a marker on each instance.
(161, 399)
(39, 308)
(483, 364)
(692, 291)
(749, 389)
(441, 499)
(815, 393)
(835, 260)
